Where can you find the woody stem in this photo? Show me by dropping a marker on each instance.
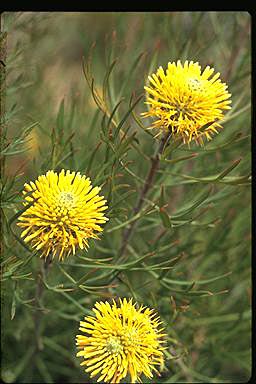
(146, 187)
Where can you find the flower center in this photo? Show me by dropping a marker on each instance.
(66, 199)
(195, 84)
(114, 345)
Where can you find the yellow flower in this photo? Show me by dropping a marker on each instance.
(186, 102)
(121, 340)
(65, 212)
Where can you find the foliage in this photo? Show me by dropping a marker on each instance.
(73, 100)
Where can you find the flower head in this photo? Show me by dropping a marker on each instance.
(63, 212)
(120, 340)
(187, 102)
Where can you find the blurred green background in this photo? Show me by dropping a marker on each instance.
(52, 120)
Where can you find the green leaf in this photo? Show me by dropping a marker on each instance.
(24, 361)
(123, 198)
(130, 72)
(134, 218)
(110, 120)
(116, 132)
(195, 204)
(171, 145)
(219, 178)
(230, 317)
(228, 170)
(13, 308)
(49, 342)
(21, 211)
(76, 303)
(162, 198)
(92, 157)
(165, 218)
(106, 80)
(197, 282)
(43, 369)
(70, 278)
(13, 147)
(60, 119)
(178, 159)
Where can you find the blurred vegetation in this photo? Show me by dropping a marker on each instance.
(74, 86)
